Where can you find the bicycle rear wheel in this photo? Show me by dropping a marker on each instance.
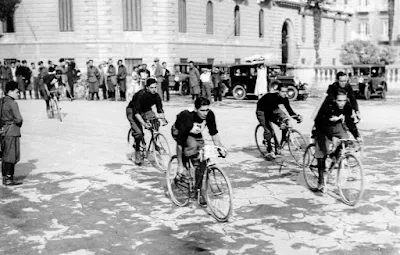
(58, 110)
(297, 145)
(350, 179)
(259, 136)
(178, 190)
(161, 151)
(310, 168)
(219, 194)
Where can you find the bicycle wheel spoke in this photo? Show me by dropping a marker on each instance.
(350, 179)
(259, 136)
(310, 168)
(297, 145)
(161, 151)
(219, 194)
(178, 189)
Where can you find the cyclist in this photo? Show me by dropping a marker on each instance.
(187, 133)
(139, 111)
(342, 83)
(268, 111)
(50, 81)
(329, 124)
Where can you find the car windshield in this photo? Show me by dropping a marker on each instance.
(360, 71)
(240, 71)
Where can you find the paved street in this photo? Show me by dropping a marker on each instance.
(81, 194)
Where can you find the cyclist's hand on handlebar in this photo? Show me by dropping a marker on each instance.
(146, 125)
(164, 121)
(298, 118)
(360, 140)
(222, 152)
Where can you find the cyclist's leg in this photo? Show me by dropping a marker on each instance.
(267, 129)
(321, 151)
(138, 136)
(280, 117)
(191, 150)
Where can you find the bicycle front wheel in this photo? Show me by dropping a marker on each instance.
(350, 179)
(58, 110)
(259, 136)
(310, 168)
(219, 194)
(52, 109)
(161, 151)
(297, 145)
(178, 190)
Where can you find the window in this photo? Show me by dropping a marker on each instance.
(132, 15)
(303, 28)
(65, 15)
(237, 60)
(364, 28)
(345, 31)
(210, 18)
(364, 3)
(131, 62)
(237, 21)
(8, 24)
(210, 61)
(182, 15)
(303, 61)
(334, 31)
(385, 28)
(183, 60)
(261, 24)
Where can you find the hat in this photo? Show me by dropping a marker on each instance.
(205, 69)
(156, 59)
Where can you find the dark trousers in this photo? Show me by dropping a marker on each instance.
(104, 90)
(111, 95)
(165, 91)
(7, 169)
(191, 150)
(218, 93)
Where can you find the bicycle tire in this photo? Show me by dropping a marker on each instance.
(310, 168)
(58, 110)
(161, 151)
(297, 144)
(355, 176)
(217, 189)
(178, 190)
(259, 137)
(51, 104)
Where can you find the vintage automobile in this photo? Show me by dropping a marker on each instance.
(243, 80)
(180, 80)
(368, 80)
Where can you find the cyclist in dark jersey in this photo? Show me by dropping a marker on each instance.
(49, 85)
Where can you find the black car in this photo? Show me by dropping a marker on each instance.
(180, 80)
(243, 80)
(368, 80)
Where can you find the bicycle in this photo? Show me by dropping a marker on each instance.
(158, 145)
(54, 107)
(294, 139)
(218, 189)
(350, 173)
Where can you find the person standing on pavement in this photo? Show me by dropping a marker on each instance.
(64, 77)
(111, 80)
(5, 75)
(26, 76)
(158, 74)
(144, 75)
(194, 81)
(14, 71)
(261, 82)
(73, 76)
(122, 74)
(34, 80)
(216, 80)
(165, 83)
(93, 75)
(10, 143)
(136, 84)
(103, 78)
(20, 79)
(206, 83)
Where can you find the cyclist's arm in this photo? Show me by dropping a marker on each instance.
(179, 155)
(350, 123)
(288, 108)
(217, 141)
(46, 89)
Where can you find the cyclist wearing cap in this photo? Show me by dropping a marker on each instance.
(50, 81)
(268, 111)
(139, 111)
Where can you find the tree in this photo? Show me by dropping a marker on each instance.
(316, 6)
(7, 8)
(365, 52)
(391, 20)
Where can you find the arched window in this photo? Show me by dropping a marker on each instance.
(237, 20)
(210, 18)
(334, 31)
(182, 16)
(303, 28)
(261, 23)
(132, 15)
(345, 31)
(65, 15)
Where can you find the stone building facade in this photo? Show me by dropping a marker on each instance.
(218, 31)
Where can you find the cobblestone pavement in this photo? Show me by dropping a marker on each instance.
(81, 194)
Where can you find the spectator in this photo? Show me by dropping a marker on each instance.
(52, 67)
(5, 75)
(26, 78)
(261, 82)
(103, 78)
(122, 73)
(10, 143)
(72, 76)
(20, 79)
(165, 83)
(144, 75)
(93, 75)
(111, 80)
(34, 80)
(136, 79)
(217, 84)
(13, 71)
(158, 74)
(206, 84)
(64, 77)
(194, 80)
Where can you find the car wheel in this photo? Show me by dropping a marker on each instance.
(293, 92)
(367, 92)
(239, 92)
(383, 94)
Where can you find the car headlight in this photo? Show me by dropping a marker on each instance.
(360, 80)
(296, 80)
